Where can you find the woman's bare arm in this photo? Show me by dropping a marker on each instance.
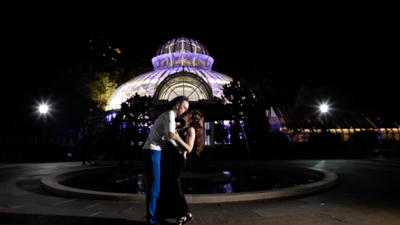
(190, 136)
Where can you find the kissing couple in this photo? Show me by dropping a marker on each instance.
(164, 156)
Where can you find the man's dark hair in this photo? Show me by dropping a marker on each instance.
(177, 101)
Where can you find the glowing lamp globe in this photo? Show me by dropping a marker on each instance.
(43, 109)
(324, 108)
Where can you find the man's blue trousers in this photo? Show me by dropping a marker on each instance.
(152, 161)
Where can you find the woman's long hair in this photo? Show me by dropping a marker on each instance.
(196, 121)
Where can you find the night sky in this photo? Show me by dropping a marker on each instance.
(350, 47)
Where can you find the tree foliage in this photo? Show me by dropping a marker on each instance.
(134, 113)
(95, 121)
(97, 81)
(247, 109)
(85, 87)
(221, 133)
(301, 110)
(98, 89)
(306, 109)
(268, 92)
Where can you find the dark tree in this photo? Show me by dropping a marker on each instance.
(221, 133)
(247, 109)
(80, 85)
(303, 110)
(95, 121)
(94, 81)
(306, 112)
(134, 113)
(269, 92)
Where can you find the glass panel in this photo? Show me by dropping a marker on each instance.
(346, 134)
(206, 137)
(164, 62)
(147, 83)
(171, 96)
(396, 134)
(384, 134)
(183, 85)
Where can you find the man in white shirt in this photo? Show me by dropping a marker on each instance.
(157, 140)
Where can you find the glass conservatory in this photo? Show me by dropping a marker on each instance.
(182, 66)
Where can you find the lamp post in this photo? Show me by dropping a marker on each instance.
(43, 110)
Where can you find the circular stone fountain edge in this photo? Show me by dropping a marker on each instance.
(51, 184)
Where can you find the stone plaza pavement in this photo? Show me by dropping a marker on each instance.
(367, 193)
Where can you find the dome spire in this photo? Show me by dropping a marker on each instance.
(183, 45)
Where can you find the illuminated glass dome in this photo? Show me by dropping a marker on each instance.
(182, 44)
(182, 67)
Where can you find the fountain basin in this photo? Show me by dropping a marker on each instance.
(52, 184)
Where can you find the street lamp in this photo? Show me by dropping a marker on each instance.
(43, 108)
(324, 108)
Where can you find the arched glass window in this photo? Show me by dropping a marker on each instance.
(187, 86)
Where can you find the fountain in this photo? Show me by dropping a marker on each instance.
(217, 182)
(228, 182)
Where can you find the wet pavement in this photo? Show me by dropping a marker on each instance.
(367, 193)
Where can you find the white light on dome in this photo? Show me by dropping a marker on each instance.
(43, 108)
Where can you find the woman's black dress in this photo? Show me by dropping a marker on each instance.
(171, 202)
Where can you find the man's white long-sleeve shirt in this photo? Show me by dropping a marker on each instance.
(159, 137)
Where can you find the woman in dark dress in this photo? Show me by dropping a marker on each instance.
(171, 202)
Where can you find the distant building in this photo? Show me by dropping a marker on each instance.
(344, 126)
(102, 49)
